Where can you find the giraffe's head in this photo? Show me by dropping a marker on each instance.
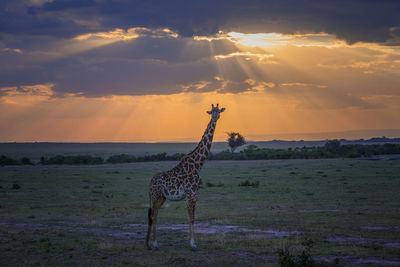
(215, 111)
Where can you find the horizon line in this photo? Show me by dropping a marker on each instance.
(308, 137)
(188, 142)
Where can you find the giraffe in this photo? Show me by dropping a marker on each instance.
(182, 181)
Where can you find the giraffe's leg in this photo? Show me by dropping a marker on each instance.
(156, 206)
(149, 225)
(191, 204)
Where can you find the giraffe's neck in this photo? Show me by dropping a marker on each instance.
(200, 153)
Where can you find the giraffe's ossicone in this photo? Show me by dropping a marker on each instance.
(182, 181)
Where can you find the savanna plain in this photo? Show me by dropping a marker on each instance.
(335, 212)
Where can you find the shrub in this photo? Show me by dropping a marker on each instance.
(297, 257)
(26, 161)
(121, 158)
(248, 183)
(8, 161)
(332, 149)
(80, 159)
(332, 146)
(125, 158)
(16, 186)
(209, 184)
(223, 155)
(285, 258)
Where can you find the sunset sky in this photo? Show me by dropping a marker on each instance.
(134, 71)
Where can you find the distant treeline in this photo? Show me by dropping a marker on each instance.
(382, 139)
(120, 158)
(80, 159)
(124, 158)
(331, 149)
(9, 161)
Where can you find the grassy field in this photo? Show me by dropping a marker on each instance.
(348, 209)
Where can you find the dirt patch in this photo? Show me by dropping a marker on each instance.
(348, 239)
(317, 211)
(356, 261)
(206, 228)
(137, 231)
(392, 245)
(361, 240)
(372, 260)
(391, 228)
(249, 208)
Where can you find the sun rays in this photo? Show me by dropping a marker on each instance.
(271, 84)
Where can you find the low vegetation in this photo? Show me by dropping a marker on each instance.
(210, 184)
(10, 161)
(16, 186)
(331, 149)
(297, 256)
(248, 183)
(80, 159)
(125, 158)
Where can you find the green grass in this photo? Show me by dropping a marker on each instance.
(317, 198)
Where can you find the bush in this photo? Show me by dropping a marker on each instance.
(209, 184)
(223, 155)
(26, 161)
(332, 149)
(248, 183)
(297, 257)
(8, 161)
(16, 186)
(4, 160)
(82, 159)
(332, 146)
(121, 158)
(287, 259)
(124, 158)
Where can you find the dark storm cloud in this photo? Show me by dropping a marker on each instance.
(124, 77)
(355, 20)
(36, 37)
(135, 67)
(169, 50)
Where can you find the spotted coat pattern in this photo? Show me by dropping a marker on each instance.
(185, 175)
(182, 181)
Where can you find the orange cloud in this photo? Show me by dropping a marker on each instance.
(131, 33)
(270, 85)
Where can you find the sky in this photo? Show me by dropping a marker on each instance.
(147, 71)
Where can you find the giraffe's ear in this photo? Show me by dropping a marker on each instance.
(222, 110)
(209, 112)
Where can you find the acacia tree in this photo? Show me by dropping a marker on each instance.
(235, 140)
